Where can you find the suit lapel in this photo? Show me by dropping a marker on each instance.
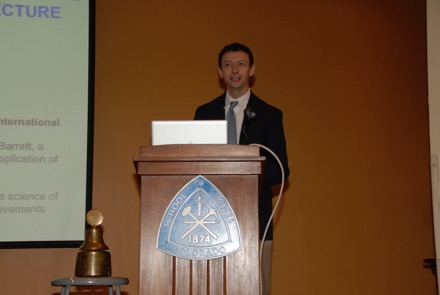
(245, 128)
(219, 111)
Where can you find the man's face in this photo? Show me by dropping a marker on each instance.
(236, 71)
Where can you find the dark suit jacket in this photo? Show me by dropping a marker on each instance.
(265, 129)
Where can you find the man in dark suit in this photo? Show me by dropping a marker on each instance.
(257, 122)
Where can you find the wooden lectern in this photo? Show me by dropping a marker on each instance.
(236, 171)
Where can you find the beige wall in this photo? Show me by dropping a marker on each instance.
(350, 77)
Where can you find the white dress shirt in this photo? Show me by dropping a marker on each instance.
(239, 109)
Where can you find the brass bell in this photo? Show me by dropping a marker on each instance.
(93, 260)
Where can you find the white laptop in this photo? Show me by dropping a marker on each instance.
(189, 132)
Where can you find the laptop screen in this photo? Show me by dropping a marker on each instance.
(189, 132)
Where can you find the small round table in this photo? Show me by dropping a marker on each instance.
(66, 283)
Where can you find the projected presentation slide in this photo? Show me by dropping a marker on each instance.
(44, 119)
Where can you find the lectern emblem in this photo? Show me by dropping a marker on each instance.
(199, 223)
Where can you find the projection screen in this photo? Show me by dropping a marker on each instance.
(46, 121)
